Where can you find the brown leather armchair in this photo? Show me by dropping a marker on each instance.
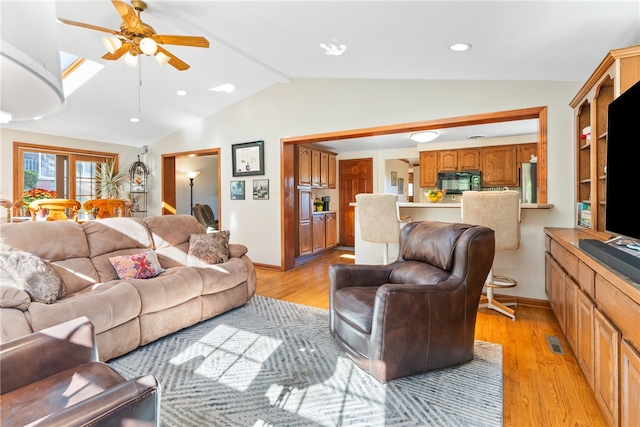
(54, 377)
(418, 313)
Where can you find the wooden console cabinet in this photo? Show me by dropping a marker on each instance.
(617, 72)
(598, 310)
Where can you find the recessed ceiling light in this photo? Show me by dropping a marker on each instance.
(460, 47)
(478, 136)
(426, 136)
(181, 92)
(332, 49)
(37, 118)
(227, 88)
(134, 119)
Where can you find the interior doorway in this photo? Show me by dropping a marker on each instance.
(176, 189)
(355, 177)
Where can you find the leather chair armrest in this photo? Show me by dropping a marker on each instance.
(135, 402)
(47, 352)
(356, 275)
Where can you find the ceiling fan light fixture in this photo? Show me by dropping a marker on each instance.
(148, 46)
(112, 43)
(460, 47)
(131, 60)
(425, 136)
(162, 58)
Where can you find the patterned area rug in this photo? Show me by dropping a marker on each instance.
(273, 363)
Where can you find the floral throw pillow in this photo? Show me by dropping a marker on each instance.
(138, 266)
(210, 248)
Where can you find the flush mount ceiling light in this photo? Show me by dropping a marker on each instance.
(425, 136)
(227, 88)
(134, 120)
(460, 47)
(477, 136)
(332, 49)
(181, 92)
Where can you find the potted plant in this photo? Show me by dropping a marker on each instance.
(110, 184)
(318, 204)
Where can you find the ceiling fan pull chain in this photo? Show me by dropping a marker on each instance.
(139, 81)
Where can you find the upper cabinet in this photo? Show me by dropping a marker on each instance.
(316, 168)
(467, 159)
(499, 165)
(618, 71)
(428, 168)
(448, 160)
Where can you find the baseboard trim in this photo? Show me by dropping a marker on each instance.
(530, 302)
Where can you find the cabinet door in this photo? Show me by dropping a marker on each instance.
(606, 353)
(315, 168)
(498, 165)
(447, 160)
(304, 222)
(304, 165)
(324, 169)
(525, 151)
(318, 241)
(428, 169)
(571, 330)
(331, 230)
(585, 336)
(333, 164)
(629, 385)
(469, 159)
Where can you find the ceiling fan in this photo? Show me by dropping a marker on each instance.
(137, 38)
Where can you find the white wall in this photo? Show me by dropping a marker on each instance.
(205, 185)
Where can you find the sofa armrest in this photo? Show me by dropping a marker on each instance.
(237, 250)
(11, 297)
(48, 352)
(135, 402)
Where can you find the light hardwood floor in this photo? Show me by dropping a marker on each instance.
(541, 388)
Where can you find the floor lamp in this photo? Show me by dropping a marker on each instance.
(191, 175)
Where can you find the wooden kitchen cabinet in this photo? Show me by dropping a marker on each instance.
(305, 209)
(525, 151)
(629, 385)
(304, 165)
(319, 231)
(331, 230)
(428, 168)
(448, 161)
(606, 352)
(498, 165)
(315, 168)
(324, 231)
(469, 159)
(332, 165)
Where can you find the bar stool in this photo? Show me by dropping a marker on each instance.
(500, 211)
(380, 220)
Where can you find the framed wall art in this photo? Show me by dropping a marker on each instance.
(248, 158)
(400, 185)
(394, 178)
(260, 189)
(237, 190)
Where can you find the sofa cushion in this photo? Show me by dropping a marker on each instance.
(43, 239)
(31, 274)
(210, 248)
(114, 234)
(11, 297)
(107, 305)
(171, 235)
(220, 277)
(173, 287)
(143, 265)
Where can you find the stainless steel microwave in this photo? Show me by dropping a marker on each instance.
(457, 182)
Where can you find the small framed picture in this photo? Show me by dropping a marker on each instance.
(260, 189)
(237, 190)
(400, 185)
(248, 158)
(394, 178)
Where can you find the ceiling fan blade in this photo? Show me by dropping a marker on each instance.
(128, 13)
(89, 26)
(193, 41)
(178, 64)
(118, 53)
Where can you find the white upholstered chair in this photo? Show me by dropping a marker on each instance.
(380, 220)
(500, 211)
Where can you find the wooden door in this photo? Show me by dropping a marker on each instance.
(355, 176)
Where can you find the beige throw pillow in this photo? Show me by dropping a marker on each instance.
(211, 248)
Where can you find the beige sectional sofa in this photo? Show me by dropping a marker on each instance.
(125, 313)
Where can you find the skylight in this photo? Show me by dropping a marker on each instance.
(76, 71)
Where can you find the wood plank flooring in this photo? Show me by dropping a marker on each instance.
(541, 388)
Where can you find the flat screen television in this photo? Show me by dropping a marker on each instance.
(623, 164)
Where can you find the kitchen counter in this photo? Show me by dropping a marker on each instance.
(444, 205)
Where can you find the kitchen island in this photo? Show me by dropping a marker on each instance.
(525, 265)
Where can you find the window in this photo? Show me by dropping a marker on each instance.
(71, 173)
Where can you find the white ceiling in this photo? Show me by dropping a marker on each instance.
(257, 44)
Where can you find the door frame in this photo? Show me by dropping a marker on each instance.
(287, 158)
(168, 184)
